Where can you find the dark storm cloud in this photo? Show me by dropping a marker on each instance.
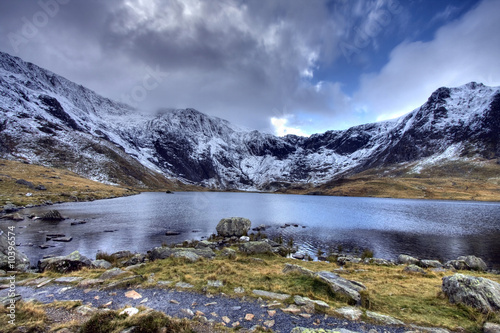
(245, 61)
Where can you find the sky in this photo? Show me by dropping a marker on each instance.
(279, 66)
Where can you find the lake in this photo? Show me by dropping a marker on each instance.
(427, 229)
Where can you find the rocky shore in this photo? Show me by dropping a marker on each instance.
(126, 280)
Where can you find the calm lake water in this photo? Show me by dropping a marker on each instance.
(423, 228)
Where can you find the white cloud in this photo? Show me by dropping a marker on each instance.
(462, 51)
(281, 128)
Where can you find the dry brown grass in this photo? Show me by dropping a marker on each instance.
(454, 180)
(29, 315)
(61, 185)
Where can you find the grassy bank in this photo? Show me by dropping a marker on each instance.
(60, 185)
(412, 298)
(453, 180)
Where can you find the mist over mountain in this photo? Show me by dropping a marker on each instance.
(48, 120)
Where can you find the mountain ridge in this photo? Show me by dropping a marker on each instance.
(52, 121)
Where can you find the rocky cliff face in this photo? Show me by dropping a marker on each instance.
(47, 119)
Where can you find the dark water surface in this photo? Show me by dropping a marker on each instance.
(423, 228)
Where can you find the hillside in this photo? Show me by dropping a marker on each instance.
(48, 120)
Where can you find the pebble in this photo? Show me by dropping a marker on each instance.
(249, 316)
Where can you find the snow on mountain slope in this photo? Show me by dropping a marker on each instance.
(47, 119)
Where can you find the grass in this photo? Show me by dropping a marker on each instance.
(412, 298)
(60, 184)
(476, 179)
(29, 315)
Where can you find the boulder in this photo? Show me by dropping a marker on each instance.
(121, 255)
(112, 273)
(25, 183)
(10, 207)
(188, 253)
(100, 263)
(459, 265)
(383, 319)
(378, 262)
(339, 285)
(52, 215)
(301, 300)
(21, 262)
(136, 259)
(64, 264)
(256, 248)
(414, 269)
(404, 259)
(350, 312)
(480, 293)
(474, 263)
(233, 226)
(291, 268)
(269, 294)
(467, 263)
(491, 328)
(430, 264)
(227, 252)
(348, 259)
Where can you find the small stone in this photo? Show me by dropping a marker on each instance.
(215, 283)
(144, 301)
(269, 323)
(130, 311)
(211, 303)
(68, 279)
(239, 290)
(271, 313)
(226, 319)
(249, 316)
(187, 312)
(133, 294)
(199, 313)
(105, 305)
(236, 323)
(184, 285)
(213, 314)
(292, 308)
(305, 315)
(173, 301)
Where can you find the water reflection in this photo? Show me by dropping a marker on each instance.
(426, 229)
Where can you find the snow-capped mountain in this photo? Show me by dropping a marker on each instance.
(47, 119)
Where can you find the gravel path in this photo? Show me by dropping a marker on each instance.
(175, 302)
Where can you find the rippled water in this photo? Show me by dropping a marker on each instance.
(423, 228)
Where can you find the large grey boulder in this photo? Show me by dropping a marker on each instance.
(64, 264)
(21, 262)
(233, 226)
(338, 285)
(404, 259)
(256, 248)
(471, 263)
(480, 293)
(187, 253)
(474, 263)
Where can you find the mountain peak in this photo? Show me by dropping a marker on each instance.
(49, 120)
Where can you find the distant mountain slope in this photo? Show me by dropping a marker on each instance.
(47, 119)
